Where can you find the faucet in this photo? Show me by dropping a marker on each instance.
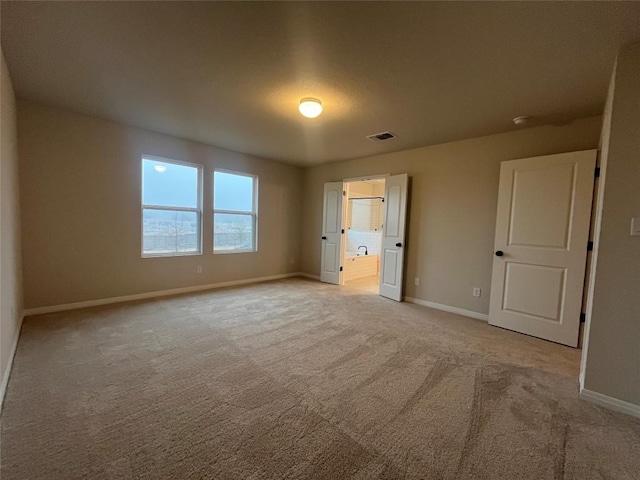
(366, 250)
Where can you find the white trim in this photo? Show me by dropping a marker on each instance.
(610, 402)
(150, 206)
(447, 308)
(366, 177)
(156, 158)
(7, 372)
(309, 275)
(344, 226)
(157, 293)
(602, 161)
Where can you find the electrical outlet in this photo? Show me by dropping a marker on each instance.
(199, 269)
(417, 281)
(476, 291)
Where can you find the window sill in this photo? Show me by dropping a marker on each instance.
(227, 252)
(164, 255)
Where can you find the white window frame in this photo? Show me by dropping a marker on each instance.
(253, 213)
(197, 210)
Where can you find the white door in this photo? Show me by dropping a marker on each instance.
(542, 230)
(392, 252)
(330, 268)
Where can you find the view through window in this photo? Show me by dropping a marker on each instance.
(235, 215)
(171, 208)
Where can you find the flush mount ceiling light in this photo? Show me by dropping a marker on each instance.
(159, 168)
(310, 107)
(521, 120)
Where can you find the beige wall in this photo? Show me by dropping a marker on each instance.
(80, 185)
(452, 212)
(10, 265)
(612, 350)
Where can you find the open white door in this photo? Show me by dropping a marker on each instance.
(330, 271)
(392, 252)
(542, 230)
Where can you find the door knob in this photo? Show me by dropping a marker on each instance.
(499, 253)
(398, 244)
(324, 238)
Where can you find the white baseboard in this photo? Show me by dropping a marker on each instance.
(155, 294)
(7, 371)
(309, 275)
(447, 308)
(610, 402)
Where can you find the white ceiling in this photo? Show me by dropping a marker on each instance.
(231, 74)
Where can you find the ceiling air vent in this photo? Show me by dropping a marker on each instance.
(381, 137)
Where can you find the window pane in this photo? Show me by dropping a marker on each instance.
(232, 232)
(169, 185)
(166, 232)
(232, 192)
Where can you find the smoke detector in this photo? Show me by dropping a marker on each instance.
(382, 136)
(521, 120)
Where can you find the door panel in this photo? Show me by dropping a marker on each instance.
(330, 254)
(542, 228)
(392, 257)
(331, 233)
(534, 290)
(390, 268)
(552, 206)
(394, 201)
(332, 214)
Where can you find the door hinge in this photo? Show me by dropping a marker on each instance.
(596, 173)
(589, 246)
(344, 193)
(343, 231)
(583, 317)
(340, 268)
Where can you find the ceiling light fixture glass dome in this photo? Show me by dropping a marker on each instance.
(310, 107)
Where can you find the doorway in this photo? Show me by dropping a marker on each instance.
(389, 268)
(363, 219)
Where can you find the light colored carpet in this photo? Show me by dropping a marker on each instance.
(296, 379)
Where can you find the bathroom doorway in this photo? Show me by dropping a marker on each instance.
(363, 233)
(364, 221)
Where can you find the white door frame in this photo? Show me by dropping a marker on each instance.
(343, 247)
(345, 206)
(366, 177)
